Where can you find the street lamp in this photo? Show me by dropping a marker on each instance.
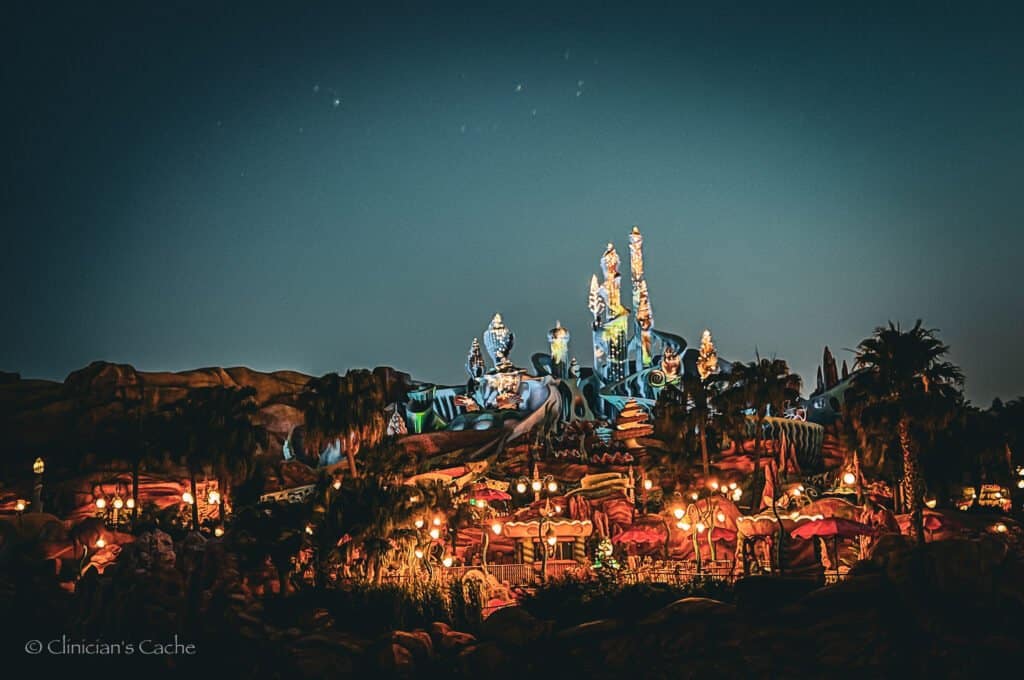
(38, 467)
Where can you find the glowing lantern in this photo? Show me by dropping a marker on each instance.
(931, 503)
(701, 527)
(414, 499)
(537, 485)
(186, 497)
(521, 487)
(38, 466)
(130, 503)
(648, 485)
(552, 486)
(694, 496)
(100, 543)
(309, 529)
(1000, 527)
(447, 561)
(118, 503)
(437, 521)
(679, 512)
(714, 485)
(435, 534)
(732, 485)
(496, 528)
(101, 503)
(419, 523)
(213, 498)
(558, 509)
(218, 532)
(737, 494)
(20, 505)
(849, 478)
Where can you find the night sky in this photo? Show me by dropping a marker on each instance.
(186, 184)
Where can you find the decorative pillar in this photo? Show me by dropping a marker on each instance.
(579, 550)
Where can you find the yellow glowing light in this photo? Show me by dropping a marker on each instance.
(849, 478)
(552, 487)
(1020, 483)
(648, 485)
(435, 534)
(20, 505)
(552, 540)
(496, 528)
(794, 514)
(100, 543)
(732, 485)
(685, 526)
(218, 532)
(38, 466)
(414, 499)
(694, 496)
(558, 509)
(930, 502)
(700, 527)
(447, 561)
(213, 498)
(130, 503)
(101, 503)
(419, 554)
(737, 494)
(537, 485)
(679, 512)
(521, 487)
(418, 523)
(337, 484)
(797, 491)
(714, 485)
(118, 503)
(720, 516)
(1000, 527)
(437, 521)
(187, 498)
(309, 529)
(999, 494)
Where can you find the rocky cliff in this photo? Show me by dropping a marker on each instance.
(56, 420)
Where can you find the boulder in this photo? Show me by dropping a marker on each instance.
(513, 627)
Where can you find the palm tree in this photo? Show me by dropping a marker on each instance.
(684, 411)
(766, 385)
(904, 379)
(214, 427)
(347, 409)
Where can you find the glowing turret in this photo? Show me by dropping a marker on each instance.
(707, 360)
(558, 339)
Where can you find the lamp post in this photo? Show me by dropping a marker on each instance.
(111, 507)
(38, 467)
(19, 507)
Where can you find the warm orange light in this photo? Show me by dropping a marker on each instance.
(521, 487)
(418, 523)
(552, 487)
(20, 505)
(414, 499)
(187, 498)
(1000, 527)
(700, 527)
(930, 503)
(101, 503)
(552, 540)
(130, 503)
(648, 485)
(720, 516)
(447, 561)
(849, 478)
(558, 509)
(679, 512)
(537, 485)
(337, 484)
(309, 529)
(435, 534)
(732, 485)
(118, 503)
(694, 496)
(419, 554)
(737, 494)
(100, 543)
(713, 484)
(213, 498)
(685, 526)
(797, 491)
(218, 532)
(437, 521)
(496, 527)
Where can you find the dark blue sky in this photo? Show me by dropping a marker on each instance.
(181, 187)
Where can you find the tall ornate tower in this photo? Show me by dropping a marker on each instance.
(610, 320)
(641, 300)
(558, 339)
(498, 339)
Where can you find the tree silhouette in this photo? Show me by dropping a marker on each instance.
(904, 380)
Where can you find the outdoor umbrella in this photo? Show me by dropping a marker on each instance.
(639, 535)
(488, 494)
(834, 527)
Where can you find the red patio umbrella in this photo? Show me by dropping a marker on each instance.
(639, 535)
(488, 494)
(834, 527)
